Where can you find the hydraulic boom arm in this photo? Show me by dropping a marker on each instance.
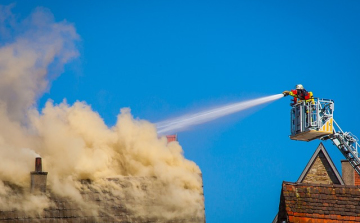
(347, 144)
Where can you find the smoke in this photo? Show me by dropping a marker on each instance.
(186, 121)
(73, 140)
(26, 60)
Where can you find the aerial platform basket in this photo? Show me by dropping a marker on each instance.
(312, 120)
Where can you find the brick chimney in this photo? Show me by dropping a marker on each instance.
(38, 178)
(349, 175)
(171, 138)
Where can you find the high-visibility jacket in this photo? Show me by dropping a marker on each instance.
(302, 94)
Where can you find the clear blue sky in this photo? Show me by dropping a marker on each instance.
(166, 58)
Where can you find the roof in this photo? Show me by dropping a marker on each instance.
(105, 204)
(275, 219)
(322, 167)
(300, 202)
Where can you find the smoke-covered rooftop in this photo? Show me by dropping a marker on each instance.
(74, 141)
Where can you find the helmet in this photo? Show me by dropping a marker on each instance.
(299, 86)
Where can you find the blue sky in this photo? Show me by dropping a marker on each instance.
(167, 58)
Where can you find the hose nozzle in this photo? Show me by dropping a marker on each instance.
(286, 93)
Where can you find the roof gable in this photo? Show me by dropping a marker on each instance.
(320, 169)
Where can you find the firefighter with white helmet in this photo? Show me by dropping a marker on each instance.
(299, 86)
(300, 93)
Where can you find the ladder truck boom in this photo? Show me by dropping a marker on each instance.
(347, 143)
(314, 120)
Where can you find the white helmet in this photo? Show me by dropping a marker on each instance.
(299, 86)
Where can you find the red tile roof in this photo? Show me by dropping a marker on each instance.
(301, 202)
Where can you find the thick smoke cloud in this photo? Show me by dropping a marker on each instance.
(26, 60)
(73, 140)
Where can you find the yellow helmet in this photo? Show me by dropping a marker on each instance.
(299, 86)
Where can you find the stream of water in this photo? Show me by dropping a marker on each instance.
(184, 122)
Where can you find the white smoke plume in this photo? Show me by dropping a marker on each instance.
(73, 140)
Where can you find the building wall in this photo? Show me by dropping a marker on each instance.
(347, 172)
(357, 178)
(349, 175)
(320, 172)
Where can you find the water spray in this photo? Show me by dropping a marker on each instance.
(184, 122)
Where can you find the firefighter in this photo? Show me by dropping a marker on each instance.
(301, 94)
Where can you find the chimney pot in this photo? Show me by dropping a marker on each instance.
(171, 138)
(38, 164)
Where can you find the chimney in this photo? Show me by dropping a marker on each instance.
(38, 178)
(349, 175)
(171, 138)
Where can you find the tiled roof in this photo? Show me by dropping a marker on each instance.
(104, 205)
(300, 202)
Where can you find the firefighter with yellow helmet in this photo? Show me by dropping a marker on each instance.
(299, 93)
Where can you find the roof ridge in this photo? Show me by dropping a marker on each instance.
(320, 185)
